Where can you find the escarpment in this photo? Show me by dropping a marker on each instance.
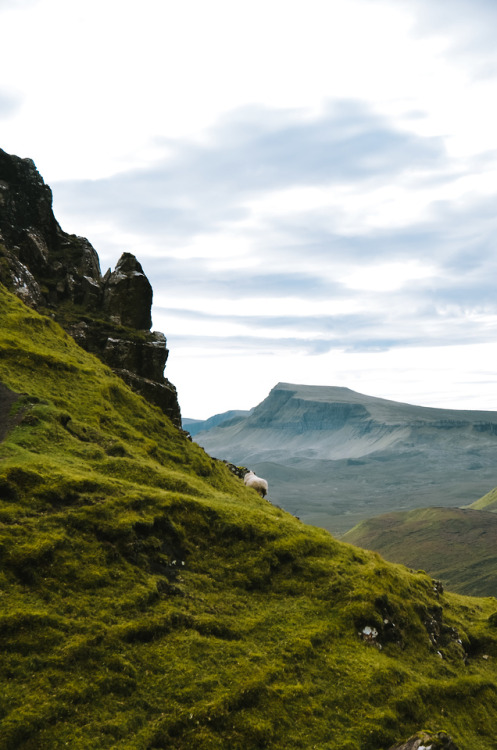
(59, 274)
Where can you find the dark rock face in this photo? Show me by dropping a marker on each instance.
(59, 274)
(127, 297)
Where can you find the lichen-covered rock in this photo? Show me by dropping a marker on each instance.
(427, 741)
(18, 278)
(145, 358)
(59, 274)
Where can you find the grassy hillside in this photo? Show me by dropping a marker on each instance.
(457, 545)
(151, 601)
(487, 502)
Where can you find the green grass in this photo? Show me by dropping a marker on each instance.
(487, 502)
(151, 601)
(457, 545)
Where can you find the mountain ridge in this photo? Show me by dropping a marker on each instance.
(193, 426)
(359, 455)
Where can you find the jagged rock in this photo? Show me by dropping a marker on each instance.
(146, 359)
(427, 741)
(128, 294)
(22, 281)
(59, 274)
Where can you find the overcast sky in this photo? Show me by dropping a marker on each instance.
(310, 185)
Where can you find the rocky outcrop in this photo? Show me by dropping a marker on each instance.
(59, 274)
(427, 741)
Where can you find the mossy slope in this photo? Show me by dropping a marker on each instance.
(487, 502)
(457, 545)
(150, 601)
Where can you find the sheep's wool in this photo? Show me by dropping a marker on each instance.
(257, 483)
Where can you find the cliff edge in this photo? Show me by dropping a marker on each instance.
(59, 274)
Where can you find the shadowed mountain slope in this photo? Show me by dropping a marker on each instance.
(150, 600)
(457, 545)
(334, 457)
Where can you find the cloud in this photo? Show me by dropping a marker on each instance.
(467, 27)
(10, 104)
(351, 336)
(201, 186)
(193, 279)
(251, 235)
(16, 4)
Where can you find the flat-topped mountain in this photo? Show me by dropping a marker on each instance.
(333, 456)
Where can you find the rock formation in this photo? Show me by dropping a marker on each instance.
(427, 741)
(59, 274)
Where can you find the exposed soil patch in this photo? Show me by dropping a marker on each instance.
(7, 400)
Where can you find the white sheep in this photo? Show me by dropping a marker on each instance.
(259, 485)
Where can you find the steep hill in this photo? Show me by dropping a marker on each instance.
(457, 545)
(487, 502)
(334, 457)
(150, 601)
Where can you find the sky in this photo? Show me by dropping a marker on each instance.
(309, 185)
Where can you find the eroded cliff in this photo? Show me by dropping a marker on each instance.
(59, 274)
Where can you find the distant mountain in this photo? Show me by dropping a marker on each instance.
(456, 545)
(193, 426)
(334, 457)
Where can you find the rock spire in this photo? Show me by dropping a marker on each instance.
(59, 274)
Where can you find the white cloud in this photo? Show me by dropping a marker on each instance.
(310, 186)
(388, 277)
